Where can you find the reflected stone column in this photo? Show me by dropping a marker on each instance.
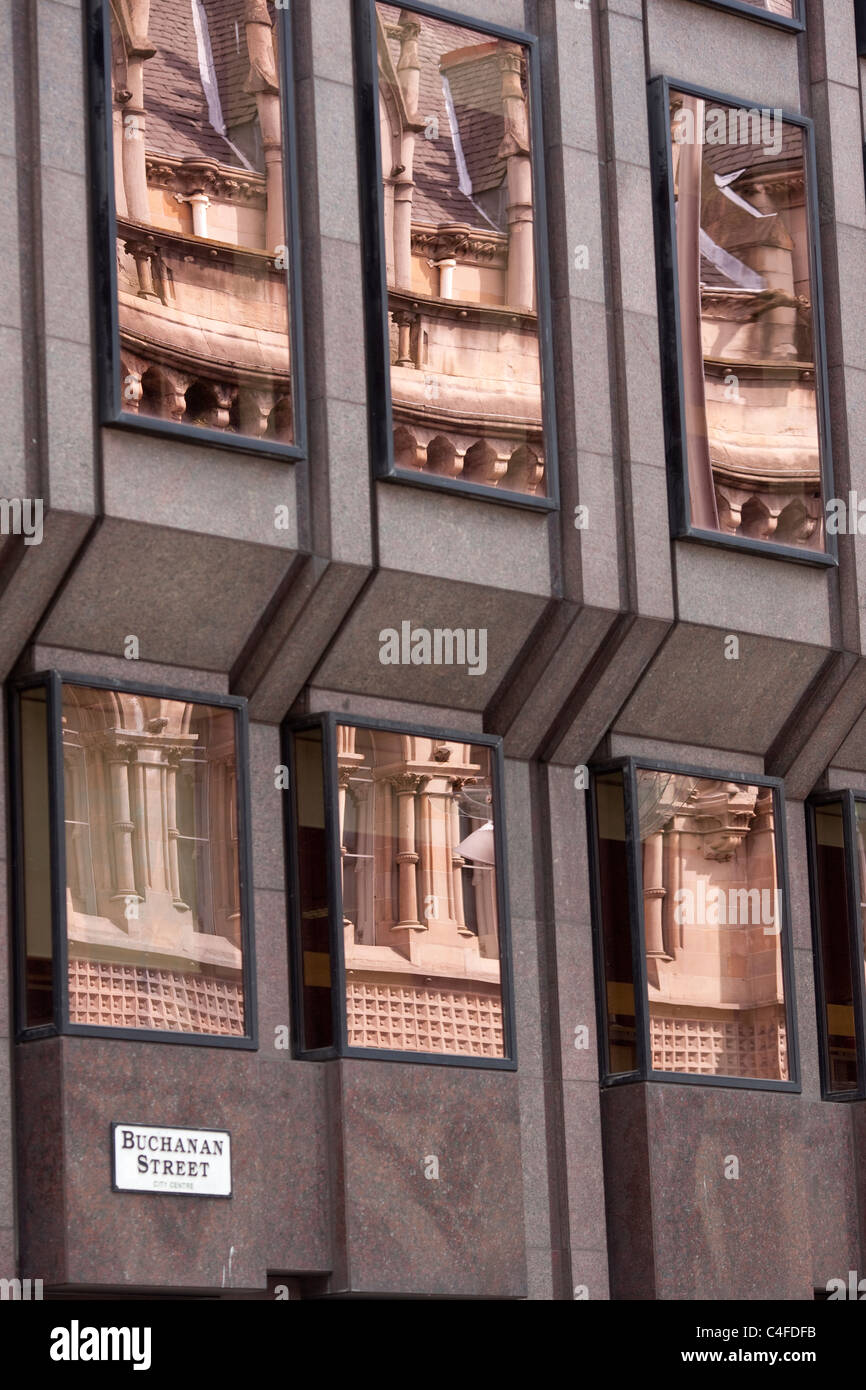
(143, 252)
(364, 866)
(458, 863)
(653, 895)
(77, 822)
(344, 775)
(122, 825)
(409, 76)
(672, 870)
(172, 758)
(264, 83)
(131, 102)
(515, 149)
(406, 786)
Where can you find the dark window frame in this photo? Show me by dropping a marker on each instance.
(52, 681)
(792, 24)
(670, 332)
(104, 259)
(326, 723)
(628, 765)
(847, 800)
(379, 403)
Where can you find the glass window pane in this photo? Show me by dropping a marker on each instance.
(457, 156)
(152, 863)
(420, 910)
(833, 916)
(860, 821)
(785, 8)
(615, 928)
(312, 848)
(36, 857)
(202, 261)
(746, 298)
(712, 927)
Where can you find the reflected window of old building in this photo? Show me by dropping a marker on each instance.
(837, 844)
(148, 920)
(745, 393)
(689, 888)
(459, 226)
(200, 171)
(398, 888)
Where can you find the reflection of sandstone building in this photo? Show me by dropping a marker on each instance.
(459, 234)
(756, 466)
(715, 974)
(152, 891)
(198, 178)
(420, 921)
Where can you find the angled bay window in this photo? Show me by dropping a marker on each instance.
(836, 824)
(741, 321)
(691, 927)
(459, 362)
(132, 883)
(400, 928)
(195, 212)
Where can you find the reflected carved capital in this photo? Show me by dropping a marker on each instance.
(408, 783)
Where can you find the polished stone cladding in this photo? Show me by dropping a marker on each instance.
(245, 570)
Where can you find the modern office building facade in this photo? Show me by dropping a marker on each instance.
(433, 649)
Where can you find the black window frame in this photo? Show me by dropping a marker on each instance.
(792, 24)
(53, 681)
(628, 765)
(847, 799)
(379, 401)
(104, 259)
(670, 332)
(326, 724)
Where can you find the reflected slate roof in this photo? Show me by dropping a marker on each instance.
(725, 159)
(476, 90)
(174, 97)
(713, 277)
(231, 59)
